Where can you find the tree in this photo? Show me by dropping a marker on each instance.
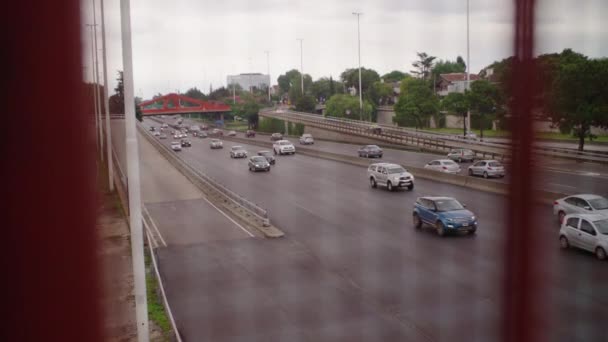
(117, 100)
(447, 67)
(295, 89)
(248, 108)
(395, 76)
(344, 105)
(323, 88)
(460, 61)
(484, 98)
(380, 93)
(423, 65)
(457, 103)
(417, 102)
(350, 78)
(579, 96)
(291, 79)
(195, 94)
(306, 103)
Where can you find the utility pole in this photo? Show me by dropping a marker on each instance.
(97, 121)
(97, 90)
(358, 14)
(106, 101)
(268, 67)
(135, 218)
(301, 64)
(468, 69)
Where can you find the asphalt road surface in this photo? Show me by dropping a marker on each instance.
(353, 268)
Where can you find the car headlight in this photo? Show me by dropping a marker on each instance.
(450, 220)
(472, 218)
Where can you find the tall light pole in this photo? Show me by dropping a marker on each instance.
(468, 69)
(106, 102)
(301, 63)
(95, 108)
(268, 67)
(358, 14)
(135, 218)
(97, 89)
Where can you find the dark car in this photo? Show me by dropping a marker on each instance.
(250, 134)
(258, 163)
(370, 151)
(268, 155)
(276, 136)
(445, 214)
(185, 143)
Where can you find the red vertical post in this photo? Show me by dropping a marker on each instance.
(521, 323)
(48, 255)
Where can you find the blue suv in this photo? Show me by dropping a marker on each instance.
(446, 214)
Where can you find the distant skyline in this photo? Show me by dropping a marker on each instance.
(182, 44)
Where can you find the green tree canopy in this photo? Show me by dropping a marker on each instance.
(344, 105)
(291, 79)
(295, 89)
(417, 102)
(423, 66)
(447, 67)
(195, 93)
(458, 104)
(484, 99)
(579, 96)
(248, 108)
(305, 103)
(395, 76)
(350, 78)
(380, 93)
(324, 88)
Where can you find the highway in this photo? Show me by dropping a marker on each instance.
(353, 268)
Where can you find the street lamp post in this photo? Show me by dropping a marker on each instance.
(358, 14)
(301, 64)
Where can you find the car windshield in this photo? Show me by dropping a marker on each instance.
(258, 159)
(448, 205)
(373, 147)
(215, 141)
(396, 170)
(599, 203)
(602, 226)
(284, 143)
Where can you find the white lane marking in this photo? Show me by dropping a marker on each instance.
(154, 225)
(228, 217)
(154, 243)
(162, 290)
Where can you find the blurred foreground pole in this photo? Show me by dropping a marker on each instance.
(522, 296)
(137, 240)
(106, 101)
(48, 257)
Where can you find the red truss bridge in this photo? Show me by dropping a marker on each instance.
(179, 104)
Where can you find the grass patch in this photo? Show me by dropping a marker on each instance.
(156, 309)
(458, 131)
(236, 125)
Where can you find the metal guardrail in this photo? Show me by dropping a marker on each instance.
(213, 184)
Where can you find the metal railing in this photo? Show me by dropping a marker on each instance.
(210, 182)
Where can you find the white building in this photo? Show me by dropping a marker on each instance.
(247, 81)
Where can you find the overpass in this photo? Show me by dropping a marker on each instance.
(172, 104)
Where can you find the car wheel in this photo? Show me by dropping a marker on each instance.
(563, 242)
(389, 186)
(440, 228)
(473, 231)
(417, 221)
(485, 175)
(268, 169)
(372, 182)
(410, 187)
(470, 172)
(600, 253)
(560, 217)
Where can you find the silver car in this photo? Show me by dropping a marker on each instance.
(443, 165)
(176, 146)
(461, 154)
(392, 176)
(487, 168)
(216, 143)
(238, 152)
(585, 231)
(580, 204)
(306, 139)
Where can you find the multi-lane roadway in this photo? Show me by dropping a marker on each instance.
(353, 268)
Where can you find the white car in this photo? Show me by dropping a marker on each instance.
(443, 165)
(176, 146)
(238, 152)
(216, 143)
(307, 139)
(392, 176)
(585, 231)
(156, 133)
(580, 204)
(283, 147)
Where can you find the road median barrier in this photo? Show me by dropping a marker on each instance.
(240, 208)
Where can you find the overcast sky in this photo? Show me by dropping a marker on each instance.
(180, 44)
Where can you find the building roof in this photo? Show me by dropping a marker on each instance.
(458, 77)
